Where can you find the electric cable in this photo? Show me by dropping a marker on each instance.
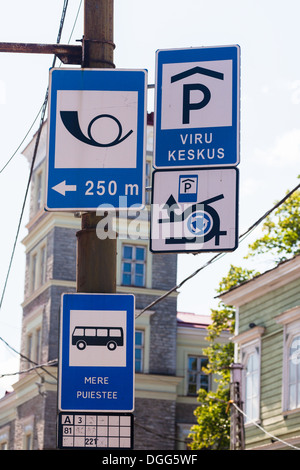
(262, 429)
(25, 357)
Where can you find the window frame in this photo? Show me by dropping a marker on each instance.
(37, 267)
(39, 189)
(248, 341)
(33, 337)
(141, 348)
(4, 438)
(290, 319)
(252, 350)
(198, 373)
(133, 263)
(289, 343)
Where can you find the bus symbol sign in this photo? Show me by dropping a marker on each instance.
(84, 336)
(90, 378)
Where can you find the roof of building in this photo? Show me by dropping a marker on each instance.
(283, 273)
(193, 320)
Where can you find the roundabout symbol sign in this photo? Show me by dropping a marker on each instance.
(194, 211)
(200, 223)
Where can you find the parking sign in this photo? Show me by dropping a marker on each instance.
(197, 107)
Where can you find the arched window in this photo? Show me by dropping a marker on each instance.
(252, 386)
(294, 374)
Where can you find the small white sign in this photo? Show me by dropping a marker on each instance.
(194, 211)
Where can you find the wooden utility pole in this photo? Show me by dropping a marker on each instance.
(96, 259)
(237, 433)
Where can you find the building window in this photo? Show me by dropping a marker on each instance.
(43, 264)
(252, 386)
(34, 345)
(290, 319)
(4, 438)
(294, 374)
(139, 351)
(38, 345)
(38, 190)
(197, 378)
(250, 356)
(28, 441)
(33, 270)
(133, 265)
(27, 432)
(29, 346)
(38, 267)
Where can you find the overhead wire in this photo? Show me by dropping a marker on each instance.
(262, 429)
(24, 371)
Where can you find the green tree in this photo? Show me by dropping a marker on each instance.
(212, 431)
(281, 238)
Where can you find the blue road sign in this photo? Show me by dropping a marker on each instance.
(96, 138)
(197, 107)
(96, 360)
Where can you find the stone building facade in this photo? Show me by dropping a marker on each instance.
(164, 345)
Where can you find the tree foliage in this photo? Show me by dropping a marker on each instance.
(281, 237)
(212, 430)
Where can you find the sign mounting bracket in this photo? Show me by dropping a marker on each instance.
(68, 54)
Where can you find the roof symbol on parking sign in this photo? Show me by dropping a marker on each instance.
(194, 70)
(187, 103)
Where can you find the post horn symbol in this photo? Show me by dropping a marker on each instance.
(71, 123)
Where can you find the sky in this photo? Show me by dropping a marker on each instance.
(267, 32)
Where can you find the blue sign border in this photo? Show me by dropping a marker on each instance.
(224, 137)
(71, 378)
(96, 79)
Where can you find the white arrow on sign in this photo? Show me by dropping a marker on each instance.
(63, 187)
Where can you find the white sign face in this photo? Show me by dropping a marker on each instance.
(215, 87)
(104, 118)
(96, 328)
(194, 210)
